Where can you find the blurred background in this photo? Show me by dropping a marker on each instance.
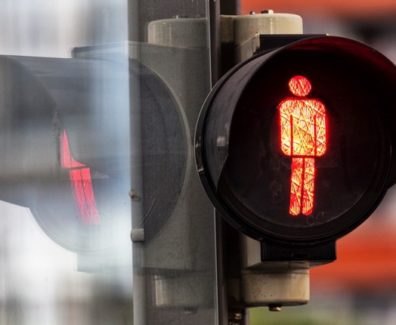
(360, 286)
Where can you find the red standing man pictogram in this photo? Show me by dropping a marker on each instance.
(303, 137)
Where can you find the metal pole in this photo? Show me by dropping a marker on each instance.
(216, 8)
(230, 7)
(137, 232)
(214, 36)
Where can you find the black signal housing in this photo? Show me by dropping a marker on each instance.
(238, 145)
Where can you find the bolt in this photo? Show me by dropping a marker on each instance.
(252, 12)
(276, 308)
(190, 311)
(180, 16)
(134, 195)
(137, 235)
(267, 11)
(221, 141)
(235, 319)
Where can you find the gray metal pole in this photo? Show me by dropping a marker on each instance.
(230, 7)
(137, 232)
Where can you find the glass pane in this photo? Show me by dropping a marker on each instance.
(65, 163)
(98, 102)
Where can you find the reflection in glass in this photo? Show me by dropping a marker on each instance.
(65, 165)
(96, 136)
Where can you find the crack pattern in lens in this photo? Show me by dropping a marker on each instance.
(303, 137)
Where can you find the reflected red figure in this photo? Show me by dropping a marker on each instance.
(303, 137)
(81, 181)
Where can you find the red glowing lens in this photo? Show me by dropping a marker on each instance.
(300, 86)
(303, 137)
(302, 183)
(81, 182)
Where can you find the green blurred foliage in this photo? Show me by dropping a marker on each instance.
(293, 316)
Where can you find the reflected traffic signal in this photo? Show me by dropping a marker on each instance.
(67, 155)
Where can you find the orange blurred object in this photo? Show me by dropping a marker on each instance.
(351, 7)
(366, 260)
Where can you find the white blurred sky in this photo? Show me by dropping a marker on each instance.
(39, 282)
(54, 27)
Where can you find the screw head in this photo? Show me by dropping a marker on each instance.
(267, 11)
(276, 308)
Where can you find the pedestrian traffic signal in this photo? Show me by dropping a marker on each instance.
(296, 145)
